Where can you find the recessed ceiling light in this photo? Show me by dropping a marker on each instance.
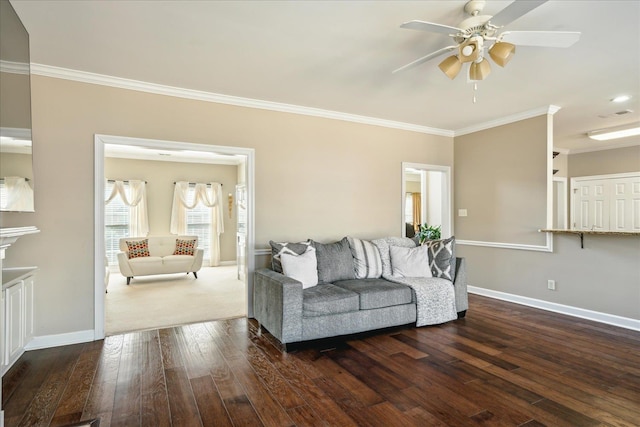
(621, 98)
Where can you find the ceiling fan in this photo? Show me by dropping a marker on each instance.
(480, 32)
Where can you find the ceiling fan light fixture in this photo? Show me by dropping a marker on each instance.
(479, 70)
(502, 52)
(470, 50)
(451, 66)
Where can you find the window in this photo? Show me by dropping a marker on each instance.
(199, 223)
(3, 195)
(116, 221)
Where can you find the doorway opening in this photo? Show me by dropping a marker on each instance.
(426, 198)
(181, 151)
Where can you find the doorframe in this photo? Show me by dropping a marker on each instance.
(447, 196)
(99, 182)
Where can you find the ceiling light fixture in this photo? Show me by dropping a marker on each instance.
(624, 131)
(621, 98)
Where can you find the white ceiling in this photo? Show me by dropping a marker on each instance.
(338, 56)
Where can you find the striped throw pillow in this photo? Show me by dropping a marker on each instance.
(366, 258)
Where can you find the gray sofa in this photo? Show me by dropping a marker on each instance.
(340, 307)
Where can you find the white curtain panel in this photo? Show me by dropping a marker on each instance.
(209, 197)
(138, 214)
(19, 194)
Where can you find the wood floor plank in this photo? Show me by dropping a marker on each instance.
(502, 365)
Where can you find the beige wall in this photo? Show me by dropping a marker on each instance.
(15, 164)
(602, 277)
(500, 178)
(160, 177)
(315, 178)
(618, 160)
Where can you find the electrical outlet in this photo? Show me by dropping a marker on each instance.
(551, 285)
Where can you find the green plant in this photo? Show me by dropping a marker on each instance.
(429, 232)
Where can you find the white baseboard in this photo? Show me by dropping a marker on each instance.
(47, 341)
(596, 316)
(228, 263)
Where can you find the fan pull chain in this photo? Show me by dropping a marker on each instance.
(475, 89)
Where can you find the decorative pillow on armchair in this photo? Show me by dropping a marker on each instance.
(277, 249)
(185, 247)
(137, 248)
(335, 261)
(442, 257)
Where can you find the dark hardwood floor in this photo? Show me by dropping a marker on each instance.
(503, 365)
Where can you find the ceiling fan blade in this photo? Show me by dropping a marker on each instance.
(426, 58)
(431, 27)
(514, 11)
(541, 38)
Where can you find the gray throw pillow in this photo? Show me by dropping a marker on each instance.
(383, 246)
(335, 261)
(442, 257)
(277, 249)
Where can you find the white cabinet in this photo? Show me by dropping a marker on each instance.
(17, 322)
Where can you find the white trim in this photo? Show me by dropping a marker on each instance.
(48, 341)
(551, 109)
(596, 316)
(262, 252)
(226, 263)
(13, 67)
(101, 79)
(99, 141)
(607, 176)
(548, 247)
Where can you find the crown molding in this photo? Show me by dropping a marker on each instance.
(14, 67)
(551, 109)
(104, 80)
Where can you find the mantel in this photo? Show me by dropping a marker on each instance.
(9, 235)
(581, 233)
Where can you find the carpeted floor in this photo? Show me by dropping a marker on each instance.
(152, 302)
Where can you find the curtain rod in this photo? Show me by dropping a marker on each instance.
(125, 181)
(194, 183)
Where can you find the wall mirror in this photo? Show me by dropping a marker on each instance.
(426, 198)
(16, 165)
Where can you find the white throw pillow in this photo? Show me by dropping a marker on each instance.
(303, 268)
(410, 262)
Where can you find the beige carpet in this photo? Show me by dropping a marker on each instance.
(152, 302)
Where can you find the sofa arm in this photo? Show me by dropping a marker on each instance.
(460, 286)
(197, 261)
(277, 304)
(123, 264)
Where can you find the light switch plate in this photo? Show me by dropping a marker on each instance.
(462, 212)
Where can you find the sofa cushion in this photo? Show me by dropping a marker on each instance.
(146, 260)
(138, 248)
(335, 261)
(185, 247)
(277, 249)
(377, 293)
(383, 246)
(442, 257)
(328, 299)
(410, 262)
(366, 258)
(181, 262)
(303, 268)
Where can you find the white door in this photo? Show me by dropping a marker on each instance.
(625, 205)
(591, 208)
(606, 203)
